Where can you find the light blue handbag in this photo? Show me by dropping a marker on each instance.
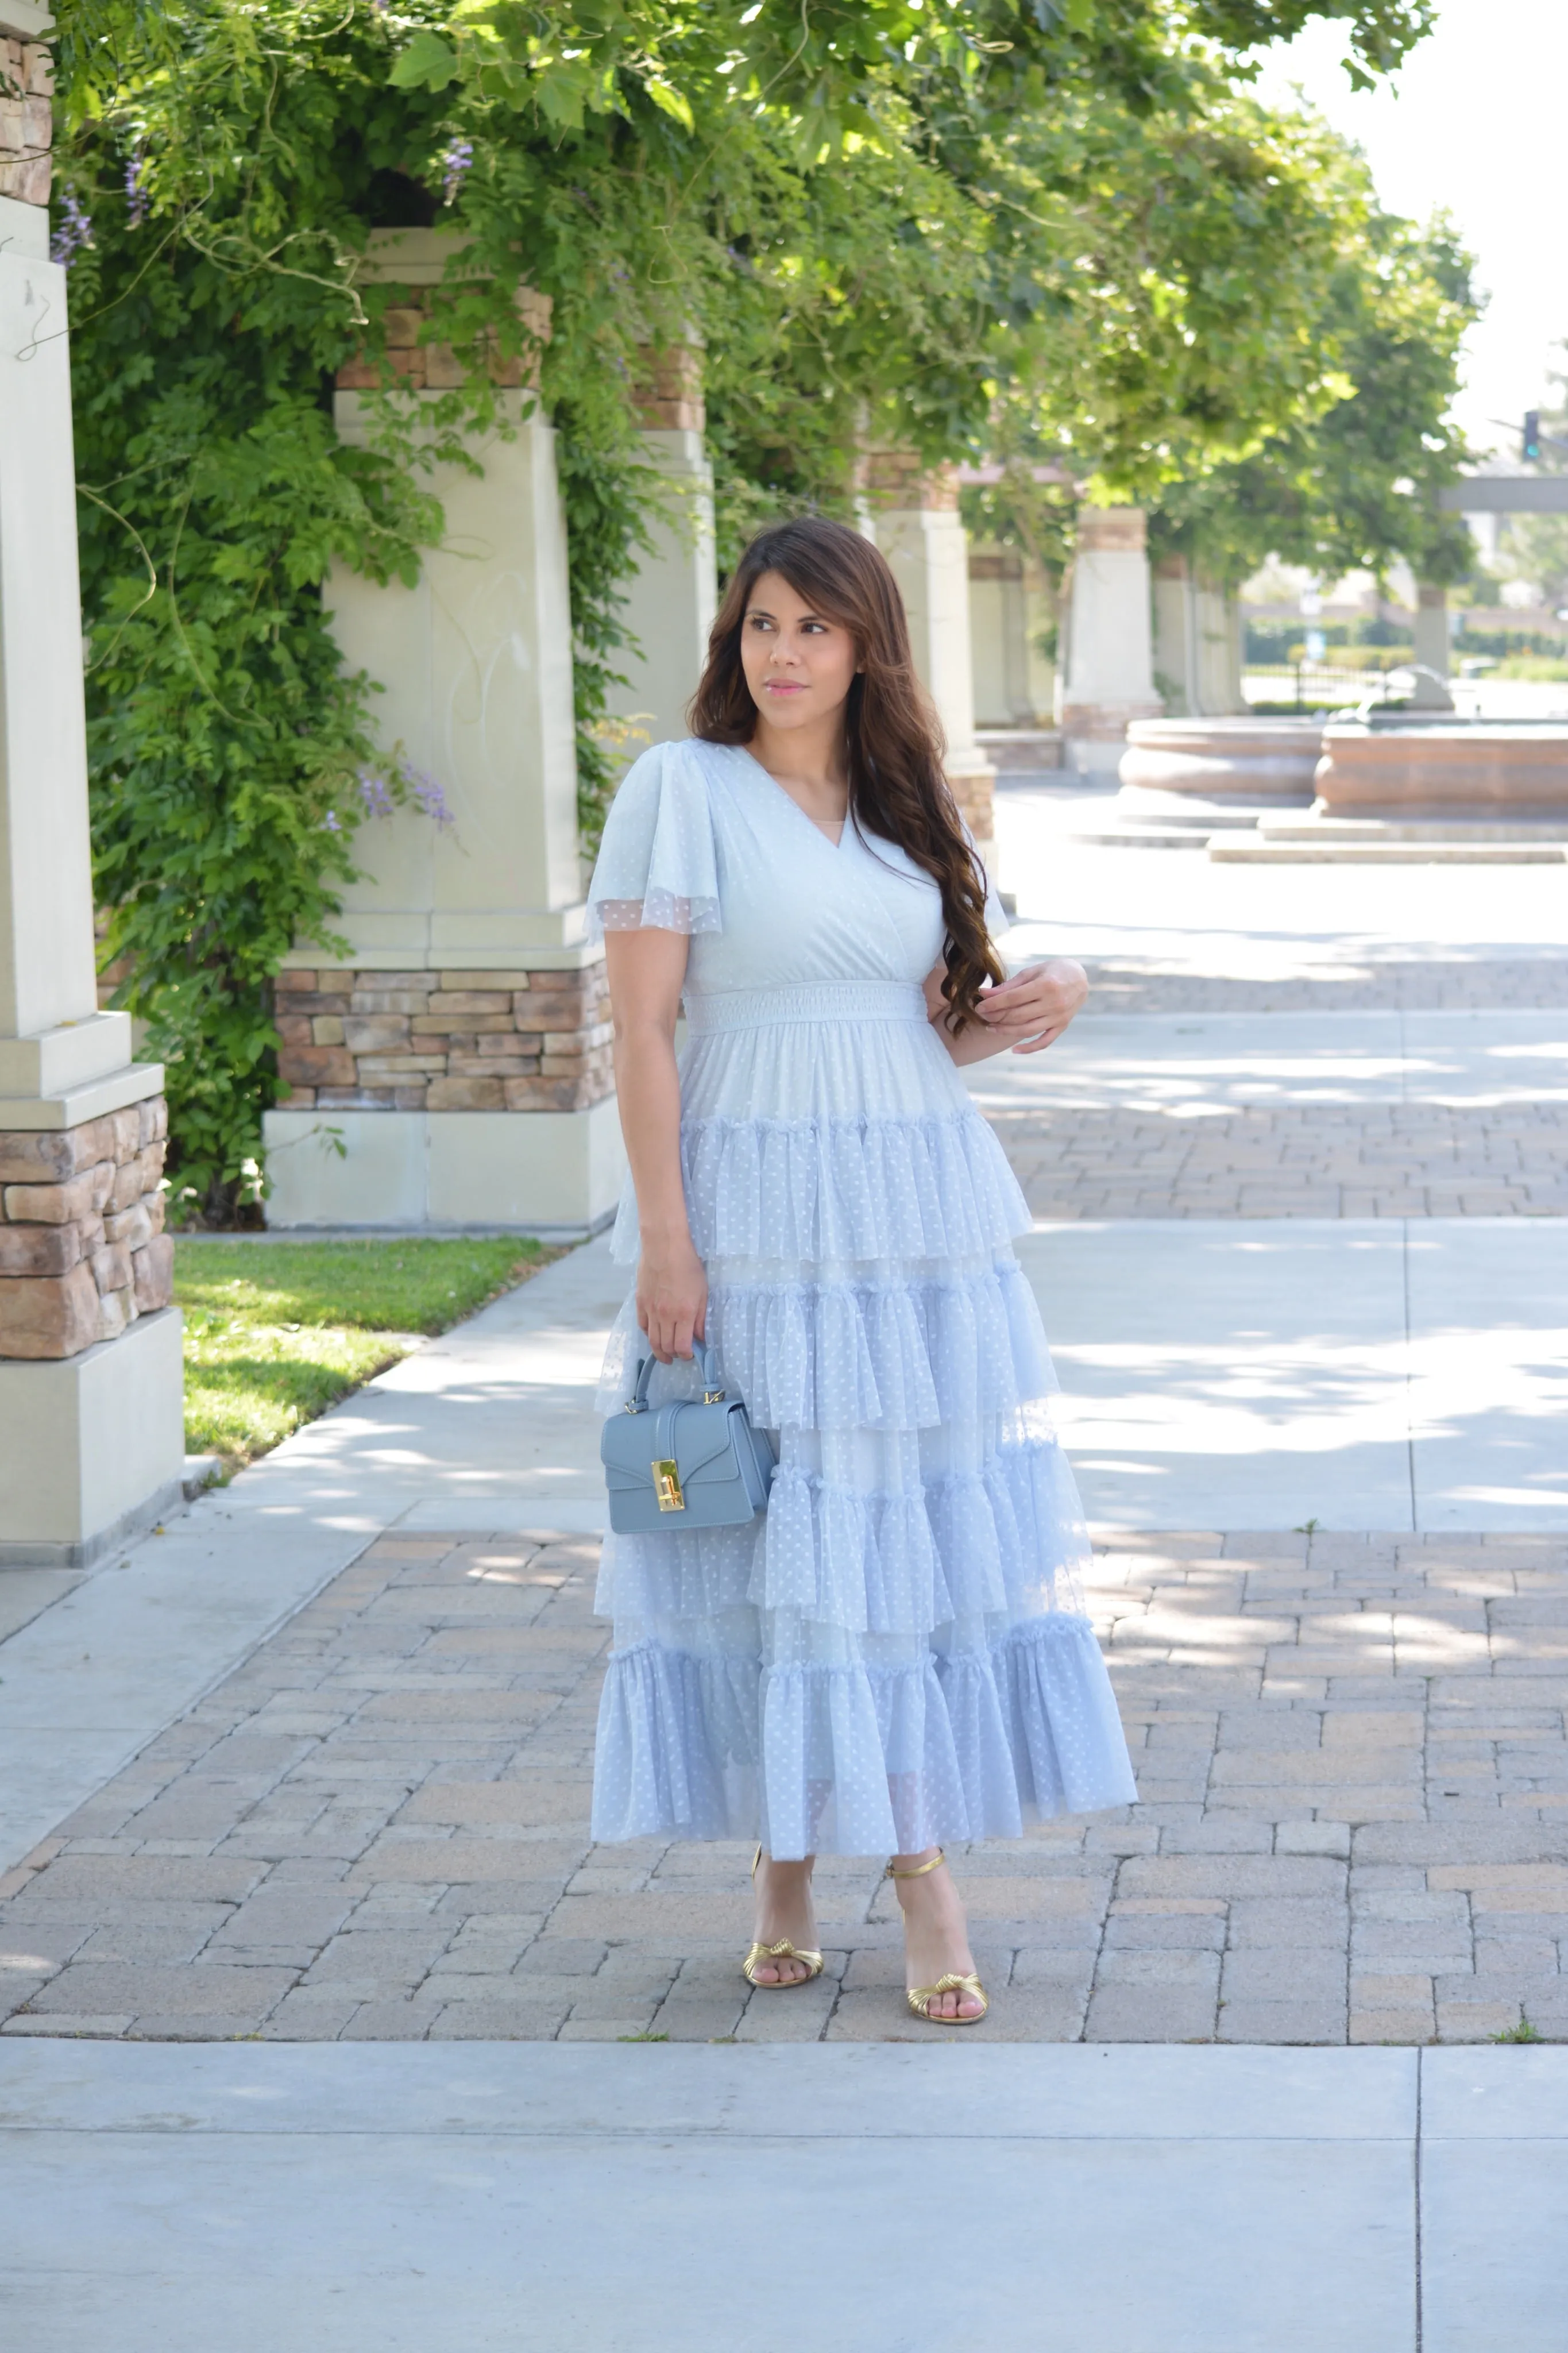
(678, 1466)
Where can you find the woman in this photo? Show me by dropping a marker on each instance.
(895, 1655)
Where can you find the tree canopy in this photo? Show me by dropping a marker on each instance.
(1356, 487)
(1060, 228)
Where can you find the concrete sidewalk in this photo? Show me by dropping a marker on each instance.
(627, 2201)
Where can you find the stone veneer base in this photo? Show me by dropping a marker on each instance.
(520, 1039)
(1094, 735)
(559, 1172)
(82, 1247)
(94, 1446)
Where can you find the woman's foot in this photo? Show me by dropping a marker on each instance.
(936, 1934)
(783, 1909)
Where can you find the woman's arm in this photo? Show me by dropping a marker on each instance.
(1027, 1012)
(646, 971)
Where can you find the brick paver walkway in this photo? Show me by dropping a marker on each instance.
(1390, 1159)
(1408, 984)
(1293, 1160)
(1354, 1825)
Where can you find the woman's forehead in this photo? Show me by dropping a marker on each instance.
(771, 593)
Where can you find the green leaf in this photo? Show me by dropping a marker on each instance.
(671, 102)
(427, 63)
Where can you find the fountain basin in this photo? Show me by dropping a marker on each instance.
(1253, 760)
(1452, 768)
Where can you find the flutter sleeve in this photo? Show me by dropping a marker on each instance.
(658, 865)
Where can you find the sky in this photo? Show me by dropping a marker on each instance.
(1472, 126)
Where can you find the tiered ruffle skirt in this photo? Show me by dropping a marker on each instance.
(897, 1652)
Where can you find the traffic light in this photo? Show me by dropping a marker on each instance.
(1530, 449)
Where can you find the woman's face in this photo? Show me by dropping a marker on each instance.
(799, 664)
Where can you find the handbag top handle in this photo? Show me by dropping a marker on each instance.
(712, 1388)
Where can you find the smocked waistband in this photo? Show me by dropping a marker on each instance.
(848, 1000)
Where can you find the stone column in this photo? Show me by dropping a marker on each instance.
(1219, 652)
(1197, 643)
(914, 512)
(1109, 677)
(1009, 612)
(455, 1069)
(1432, 649)
(92, 1419)
(673, 595)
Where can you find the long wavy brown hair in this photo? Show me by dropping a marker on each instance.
(893, 739)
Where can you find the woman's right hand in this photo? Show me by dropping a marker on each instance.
(672, 1297)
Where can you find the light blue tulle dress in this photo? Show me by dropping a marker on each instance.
(896, 1653)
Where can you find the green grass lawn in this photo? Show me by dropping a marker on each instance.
(276, 1331)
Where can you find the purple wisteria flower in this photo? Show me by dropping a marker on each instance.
(429, 797)
(331, 822)
(374, 794)
(379, 795)
(135, 189)
(72, 231)
(458, 158)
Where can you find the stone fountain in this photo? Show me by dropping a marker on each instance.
(1395, 783)
(1183, 780)
(1453, 770)
(1234, 760)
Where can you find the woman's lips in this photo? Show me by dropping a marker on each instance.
(784, 686)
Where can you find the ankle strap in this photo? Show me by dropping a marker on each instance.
(918, 1870)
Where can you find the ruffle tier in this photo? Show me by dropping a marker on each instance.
(898, 1353)
(803, 1191)
(1004, 1542)
(857, 1758)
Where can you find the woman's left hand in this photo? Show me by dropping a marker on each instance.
(1031, 1011)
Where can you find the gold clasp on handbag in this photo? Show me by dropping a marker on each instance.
(712, 1397)
(667, 1486)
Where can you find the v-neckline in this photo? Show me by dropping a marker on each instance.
(822, 835)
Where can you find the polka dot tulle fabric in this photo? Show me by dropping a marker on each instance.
(896, 1652)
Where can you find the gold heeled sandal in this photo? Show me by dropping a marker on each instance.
(920, 1998)
(783, 1951)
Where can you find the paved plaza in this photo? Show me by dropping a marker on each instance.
(1374, 1160)
(301, 1929)
(1350, 1758)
